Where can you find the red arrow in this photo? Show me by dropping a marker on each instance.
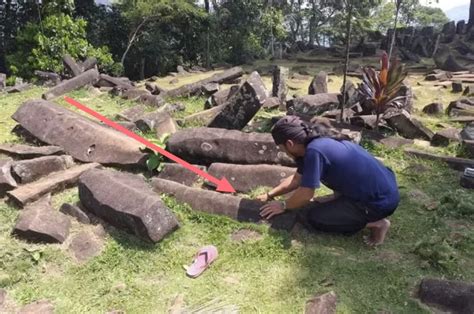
(222, 185)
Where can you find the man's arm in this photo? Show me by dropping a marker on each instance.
(300, 198)
(286, 186)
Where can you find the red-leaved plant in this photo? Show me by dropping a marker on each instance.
(381, 88)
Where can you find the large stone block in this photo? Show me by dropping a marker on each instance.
(204, 146)
(88, 77)
(80, 137)
(127, 202)
(409, 127)
(312, 105)
(39, 222)
(245, 178)
(33, 169)
(54, 182)
(243, 106)
(7, 182)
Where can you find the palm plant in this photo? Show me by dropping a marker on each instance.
(382, 88)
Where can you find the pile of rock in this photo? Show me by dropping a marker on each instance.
(459, 82)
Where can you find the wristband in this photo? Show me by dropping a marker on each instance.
(269, 197)
(283, 204)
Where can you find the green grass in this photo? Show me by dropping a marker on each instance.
(275, 274)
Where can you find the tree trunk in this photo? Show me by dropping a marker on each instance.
(312, 24)
(132, 40)
(346, 64)
(471, 14)
(208, 37)
(142, 68)
(394, 34)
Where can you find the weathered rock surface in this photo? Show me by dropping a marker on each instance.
(27, 151)
(39, 222)
(461, 107)
(32, 169)
(408, 127)
(319, 85)
(202, 117)
(71, 65)
(221, 97)
(3, 79)
(452, 296)
(195, 88)
(468, 90)
(135, 94)
(207, 145)
(151, 100)
(154, 88)
(279, 79)
(48, 78)
(54, 182)
(115, 81)
(177, 173)
(127, 202)
(311, 105)
(245, 178)
(210, 88)
(434, 109)
(243, 106)
(80, 137)
(7, 182)
(216, 203)
(76, 212)
(468, 132)
(457, 86)
(446, 136)
(469, 146)
(271, 103)
(467, 182)
(88, 77)
(161, 122)
(132, 114)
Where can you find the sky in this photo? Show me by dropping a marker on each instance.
(449, 4)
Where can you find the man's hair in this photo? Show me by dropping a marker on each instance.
(301, 132)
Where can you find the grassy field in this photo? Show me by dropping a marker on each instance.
(432, 235)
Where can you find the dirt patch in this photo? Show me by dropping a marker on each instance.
(245, 235)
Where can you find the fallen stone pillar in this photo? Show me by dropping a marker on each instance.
(88, 77)
(244, 210)
(204, 146)
(80, 137)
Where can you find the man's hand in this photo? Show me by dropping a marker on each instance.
(272, 209)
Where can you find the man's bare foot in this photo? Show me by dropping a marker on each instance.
(378, 231)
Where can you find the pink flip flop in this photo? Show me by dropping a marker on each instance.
(205, 257)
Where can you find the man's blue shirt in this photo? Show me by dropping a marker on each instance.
(348, 169)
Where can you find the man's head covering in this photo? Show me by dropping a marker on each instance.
(295, 129)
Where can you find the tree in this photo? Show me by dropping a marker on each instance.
(398, 5)
(13, 16)
(162, 34)
(41, 46)
(429, 16)
(352, 8)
